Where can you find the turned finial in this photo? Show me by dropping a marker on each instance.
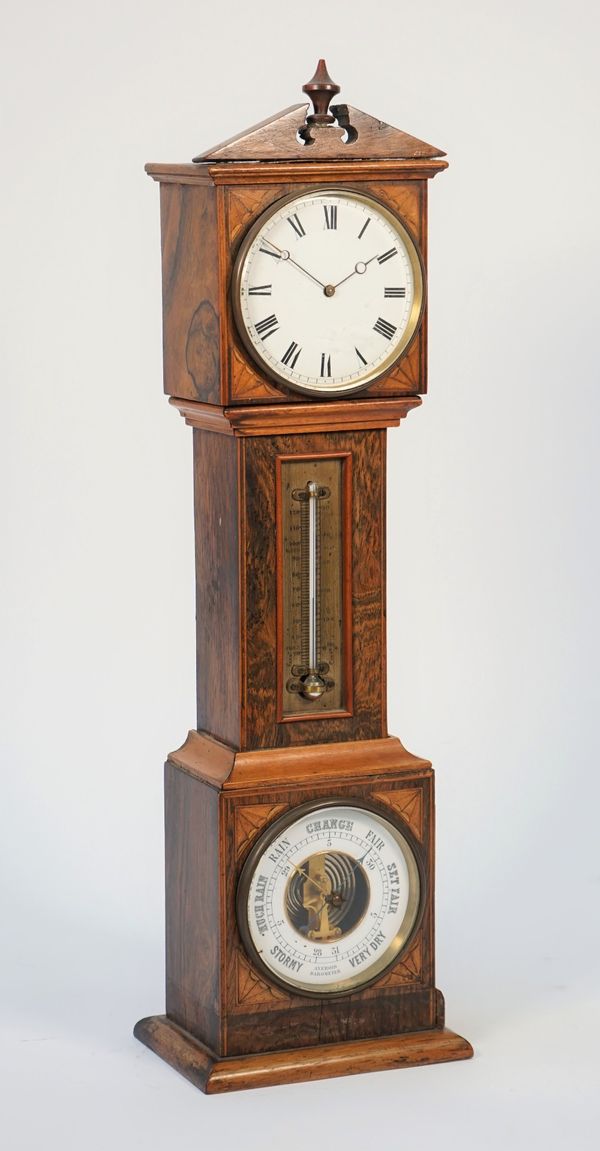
(321, 90)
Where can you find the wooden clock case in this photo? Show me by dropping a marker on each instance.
(227, 1025)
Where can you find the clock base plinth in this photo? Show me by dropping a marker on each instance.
(215, 1075)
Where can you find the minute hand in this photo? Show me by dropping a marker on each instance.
(285, 255)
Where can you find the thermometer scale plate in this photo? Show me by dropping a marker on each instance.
(314, 610)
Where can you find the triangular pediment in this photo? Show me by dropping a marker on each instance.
(355, 136)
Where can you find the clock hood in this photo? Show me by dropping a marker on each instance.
(336, 132)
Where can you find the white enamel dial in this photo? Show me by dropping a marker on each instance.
(328, 899)
(327, 291)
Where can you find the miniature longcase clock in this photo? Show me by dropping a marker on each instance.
(299, 834)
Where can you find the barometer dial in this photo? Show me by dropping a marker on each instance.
(329, 897)
(327, 291)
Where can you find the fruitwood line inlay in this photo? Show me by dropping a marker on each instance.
(409, 969)
(252, 990)
(249, 821)
(408, 803)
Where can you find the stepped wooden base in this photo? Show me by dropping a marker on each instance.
(214, 1075)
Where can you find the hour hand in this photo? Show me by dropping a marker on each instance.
(359, 269)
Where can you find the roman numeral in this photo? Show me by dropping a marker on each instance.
(384, 328)
(260, 290)
(296, 225)
(330, 211)
(266, 327)
(325, 364)
(387, 255)
(394, 293)
(360, 356)
(291, 356)
(268, 252)
(364, 228)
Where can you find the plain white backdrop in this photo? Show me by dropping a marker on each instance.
(493, 557)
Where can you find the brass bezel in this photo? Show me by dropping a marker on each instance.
(416, 313)
(410, 923)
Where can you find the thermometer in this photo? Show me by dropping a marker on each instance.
(312, 586)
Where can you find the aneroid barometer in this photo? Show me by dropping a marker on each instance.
(328, 898)
(299, 833)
